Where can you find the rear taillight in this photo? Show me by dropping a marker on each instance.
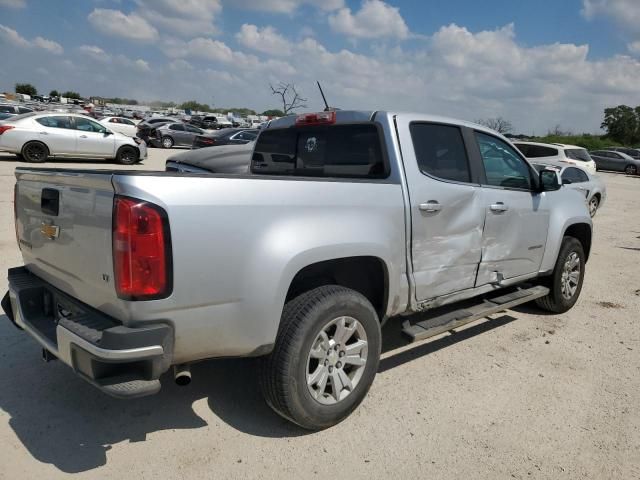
(207, 141)
(319, 118)
(141, 250)
(4, 128)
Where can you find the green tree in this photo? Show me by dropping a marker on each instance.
(622, 124)
(54, 93)
(274, 112)
(70, 94)
(26, 89)
(195, 106)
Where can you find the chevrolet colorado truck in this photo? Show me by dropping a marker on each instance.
(344, 219)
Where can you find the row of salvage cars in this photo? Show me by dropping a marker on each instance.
(574, 166)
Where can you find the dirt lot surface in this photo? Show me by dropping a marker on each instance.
(525, 395)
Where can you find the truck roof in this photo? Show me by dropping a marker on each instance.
(344, 116)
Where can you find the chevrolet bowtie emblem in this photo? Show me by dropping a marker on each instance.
(50, 231)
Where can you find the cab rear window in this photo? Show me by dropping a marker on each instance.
(349, 151)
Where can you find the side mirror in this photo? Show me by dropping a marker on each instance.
(107, 133)
(549, 180)
(566, 181)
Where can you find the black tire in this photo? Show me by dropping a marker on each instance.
(35, 152)
(127, 155)
(20, 157)
(556, 301)
(166, 142)
(283, 373)
(631, 170)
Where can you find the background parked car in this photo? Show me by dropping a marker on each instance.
(211, 122)
(35, 137)
(228, 136)
(555, 152)
(5, 116)
(175, 135)
(15, 109)
(632, 152)
(591, 186)
(224, 159)
(616, 161)
(147, 128)
(120, 125)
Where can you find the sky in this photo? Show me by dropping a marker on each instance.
(537, 63)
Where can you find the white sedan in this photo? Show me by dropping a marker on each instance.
(120, 124)
(34, 137)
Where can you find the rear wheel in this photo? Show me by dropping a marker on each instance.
(167, 142)
(325, 357)
(35, 152)
(565, 284)
(631, 170)
(20, 157)
(594, 203)
(127, 155)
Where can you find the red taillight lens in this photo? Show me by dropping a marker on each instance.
(141, 250)
(319, 118)
(4, 128)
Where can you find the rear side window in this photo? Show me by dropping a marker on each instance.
(537, 151)
(350, 151)
(579, 154)
(440, 151)
(177, 127)
(55, 122)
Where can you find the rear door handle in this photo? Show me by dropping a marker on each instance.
(431, 206)
(83, 136)
(499, 207)
(44, 133)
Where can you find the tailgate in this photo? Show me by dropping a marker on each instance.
(64, 229)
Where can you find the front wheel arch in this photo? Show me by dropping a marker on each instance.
(582, 233)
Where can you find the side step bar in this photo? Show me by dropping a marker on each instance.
(449, 321)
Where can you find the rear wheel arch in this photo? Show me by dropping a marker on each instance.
(368, 275)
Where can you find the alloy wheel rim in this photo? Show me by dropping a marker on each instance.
(167, 143)
(631, 170)
(337, 360)
(35, 152)
(570, 276)
(593, 206)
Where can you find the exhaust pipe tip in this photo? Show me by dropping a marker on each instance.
(182, 375)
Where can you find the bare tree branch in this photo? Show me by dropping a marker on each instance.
(289, 97)
(498, 124)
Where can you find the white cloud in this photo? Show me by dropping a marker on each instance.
(13, 3)
(287, 6)
(625, 13)
(53, 47)
(118, 24)
(375, 19)
(95, 53)
(183, 17)
(266, 40)
(634, 47)
(11, 36)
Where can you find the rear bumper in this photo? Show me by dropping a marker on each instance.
(121, 361)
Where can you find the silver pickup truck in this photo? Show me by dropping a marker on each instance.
(344, 220)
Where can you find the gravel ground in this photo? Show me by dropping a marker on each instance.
(526, 395)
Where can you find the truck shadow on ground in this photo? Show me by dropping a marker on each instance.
(64, 421)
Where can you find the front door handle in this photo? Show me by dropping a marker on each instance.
(83, 136)
(499, 207)
(431, 206)
(44, 133)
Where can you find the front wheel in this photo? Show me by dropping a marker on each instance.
(325, 357)
(565, 284)
(127, 156)
(631, 170)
